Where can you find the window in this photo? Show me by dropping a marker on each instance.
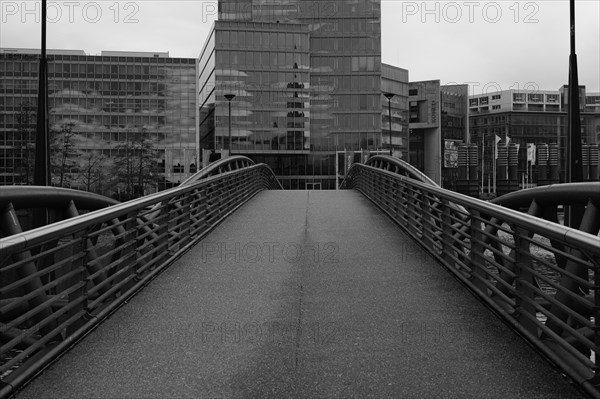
(519, 97)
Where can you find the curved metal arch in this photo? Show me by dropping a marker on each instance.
(52, 197)
(400, 167)
(552, 195)
(228, 164)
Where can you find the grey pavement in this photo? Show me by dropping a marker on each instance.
(303, 294)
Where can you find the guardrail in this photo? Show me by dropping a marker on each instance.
(57, 282)
(540, 276)
(228, 164)
(399, 167)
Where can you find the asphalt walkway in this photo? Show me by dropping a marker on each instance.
(303, 294)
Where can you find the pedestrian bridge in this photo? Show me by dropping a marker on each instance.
(222, 288)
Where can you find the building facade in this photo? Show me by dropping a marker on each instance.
(394, 81)
(108, 100)
(307, 80)
(526, 118)
(438, 123)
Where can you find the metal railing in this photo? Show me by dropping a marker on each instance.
(57, 282)
(540, 276)
(228, 164)
(399, 167)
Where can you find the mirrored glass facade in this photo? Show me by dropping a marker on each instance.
(306, 77)
(111, 99)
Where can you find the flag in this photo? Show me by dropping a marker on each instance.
(531, 153)
(366, 154)
(205, 157)
(507, 140)
(349, 160)
(168, 162)
(496, 141)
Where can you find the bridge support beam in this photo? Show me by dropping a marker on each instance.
(9, 223)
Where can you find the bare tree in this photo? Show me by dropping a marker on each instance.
(62, 154)
(91, 171)
(135, 167)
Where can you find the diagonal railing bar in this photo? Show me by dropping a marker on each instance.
(541, 277)
(52, 295)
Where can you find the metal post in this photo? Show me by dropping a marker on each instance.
(389, 98)
(41, 171)
(41, 174)
(574, 163)
(229, 97)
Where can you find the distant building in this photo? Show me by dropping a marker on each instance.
(110, 98)
(394, 80)
(438, 123)
(307, 80)
(530, 117)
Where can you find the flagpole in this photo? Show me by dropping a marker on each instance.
(482, 161)
(574, 173)
(494, 164)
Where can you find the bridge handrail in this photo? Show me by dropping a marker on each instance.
(399, 166)
(549, 228)
(504, 256)
(34, 196)
(553, 194)
(228, 164)
(40, 235)
(59, 281)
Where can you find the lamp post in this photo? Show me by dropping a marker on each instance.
(574, 214)
(41, 174)
(229, 97)
(389, 98)
(41, 171)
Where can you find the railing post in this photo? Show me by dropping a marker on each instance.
(447, 241)
(596, 312)
(525, 294)
(10, 225)
(427, 222)
(72, 266)
(590, 224)
(185, 226)
(476, 255)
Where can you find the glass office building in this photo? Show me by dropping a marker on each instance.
(110, 99)
(306, 77)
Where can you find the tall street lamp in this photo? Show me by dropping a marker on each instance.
(389, 98)
(574, 214)
(41, 174)
(229, 97)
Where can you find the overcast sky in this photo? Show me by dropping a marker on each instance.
(491, 45)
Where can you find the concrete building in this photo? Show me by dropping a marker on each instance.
(110, 99)
(531, 118)
(438, 123)
(394, 80)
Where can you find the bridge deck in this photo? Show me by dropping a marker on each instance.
(303, 294)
